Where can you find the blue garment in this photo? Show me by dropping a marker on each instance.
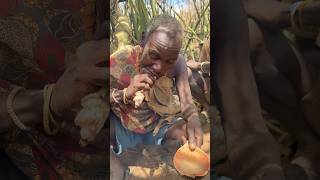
(129, 139)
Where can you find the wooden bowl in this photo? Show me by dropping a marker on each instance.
(191, 163)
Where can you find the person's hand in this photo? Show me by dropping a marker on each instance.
(193, 65)
(139, 82)
(81, 77)
(194, 132)
(271, 13)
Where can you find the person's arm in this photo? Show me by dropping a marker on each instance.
(27, 104)
(277, 14)
(116, 96)
(28, 107)
(194, 131)
(269, 12)
(67, 92)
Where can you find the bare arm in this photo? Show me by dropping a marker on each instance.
(269, 12)
(183, 84)
(276, 14)
(67, 93)
(27, 105)
(194, 131)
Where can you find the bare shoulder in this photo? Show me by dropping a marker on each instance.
(180, 66)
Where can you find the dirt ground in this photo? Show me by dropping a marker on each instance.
(155, 162)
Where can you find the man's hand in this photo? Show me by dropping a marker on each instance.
(139, 82)
(81, 78)
(194, 132)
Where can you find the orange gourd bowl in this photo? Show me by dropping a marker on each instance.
(191, 163)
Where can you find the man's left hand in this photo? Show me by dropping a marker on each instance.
(194, 132)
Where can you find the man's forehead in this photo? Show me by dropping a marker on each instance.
(161, 39)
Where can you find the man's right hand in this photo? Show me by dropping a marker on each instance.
(139, 82)
(81, 78)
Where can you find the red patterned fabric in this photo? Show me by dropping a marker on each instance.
(123, 66)
(55, 34)
(7, 7)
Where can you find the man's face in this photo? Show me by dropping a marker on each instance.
(160, 53)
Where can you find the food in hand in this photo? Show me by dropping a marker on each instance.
(92, 116)
(138, 98)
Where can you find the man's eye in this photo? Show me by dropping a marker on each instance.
(170, 61)
(153, 56)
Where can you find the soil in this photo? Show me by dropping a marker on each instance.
(155, 162)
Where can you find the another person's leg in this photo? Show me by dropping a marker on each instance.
(310, 100)
(252, 151)
(279, 74)
(277, 94)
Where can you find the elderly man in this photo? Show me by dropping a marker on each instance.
(152, 69)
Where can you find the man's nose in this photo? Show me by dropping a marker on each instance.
(157, 67)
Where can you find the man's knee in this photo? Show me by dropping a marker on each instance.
(176, 131)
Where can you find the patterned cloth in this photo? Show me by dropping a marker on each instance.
(39, 37)
(123, 66)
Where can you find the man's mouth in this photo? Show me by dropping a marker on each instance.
(150, 72)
